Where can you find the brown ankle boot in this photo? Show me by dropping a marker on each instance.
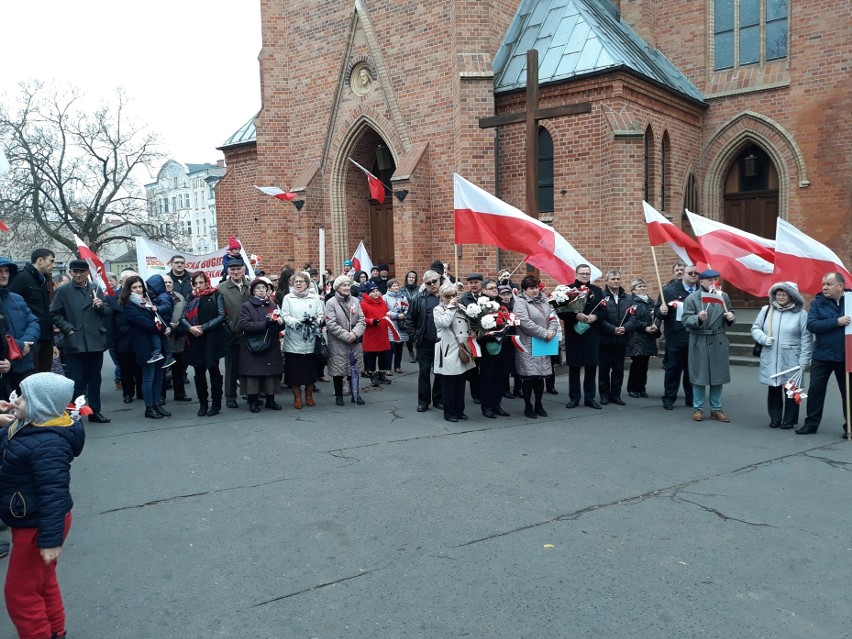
(297, 397)
(309, 395)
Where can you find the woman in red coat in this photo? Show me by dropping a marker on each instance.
(376, 342)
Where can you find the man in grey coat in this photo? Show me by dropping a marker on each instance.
(706, 316)
(79, 311)
(235, 291)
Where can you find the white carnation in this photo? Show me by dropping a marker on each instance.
(488, 322)
(483, 301)
(473, 310)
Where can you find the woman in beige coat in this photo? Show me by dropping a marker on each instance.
(453, 328)
(344, 324)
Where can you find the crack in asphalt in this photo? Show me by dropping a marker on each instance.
(675, 489)
(718, 513)
(166, 500)
(361, 573)
(831, 462)
(396, 415)
(352, 460)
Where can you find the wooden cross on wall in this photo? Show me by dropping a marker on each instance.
(531, 116)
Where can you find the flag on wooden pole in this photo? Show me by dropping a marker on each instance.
(96, 267)
(662, 231)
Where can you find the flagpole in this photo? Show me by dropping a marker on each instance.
(516, 268)
(659, 279)
(456, 267)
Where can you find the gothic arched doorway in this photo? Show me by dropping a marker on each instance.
(751, 202)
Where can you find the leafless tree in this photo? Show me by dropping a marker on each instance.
(74, 171)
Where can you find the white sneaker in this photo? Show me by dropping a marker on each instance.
(155, 358)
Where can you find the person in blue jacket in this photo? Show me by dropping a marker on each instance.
(164, 308)
(38, 442)
(827, 320)
(18, 321)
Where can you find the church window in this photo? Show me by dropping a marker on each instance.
(664, 172)
(648, 189)
(545, 171)
(690, 195)
(748, 32)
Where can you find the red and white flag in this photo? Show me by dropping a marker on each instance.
(377, 189)
(475, 348)
(481, 218)
(713, 297)
(801, 259)
(361, 260)
(274, 191)
(662, 231)
(745, 260)
(96, 267)
(516, 340)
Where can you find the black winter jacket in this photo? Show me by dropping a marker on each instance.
(35, 289)
(822, 322)
(35, 476)
(613, 315)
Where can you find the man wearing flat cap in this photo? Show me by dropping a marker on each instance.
(78, 310)
(706, 316)
(235, 291)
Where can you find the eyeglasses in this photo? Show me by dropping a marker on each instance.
(584, 274)
(431, 282)
(490, 288)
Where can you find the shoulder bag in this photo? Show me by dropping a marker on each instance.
(758, 347)
(258, 343)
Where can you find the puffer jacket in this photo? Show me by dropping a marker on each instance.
(792, 343)
(23, 326)
(35, 476)
(160, 298)
(822, 322)
(613, 315)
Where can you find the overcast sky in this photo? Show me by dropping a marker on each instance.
(190, 68)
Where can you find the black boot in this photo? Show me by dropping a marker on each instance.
(529, 411)
(539, 410)
(374, 379)
(270, 403)
(383, 378)
(215, 408)
(159, 408)
(202, 409)
(151, 413)
(254, 403)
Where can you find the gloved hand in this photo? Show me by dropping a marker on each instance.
(769, 340)
(375, 322)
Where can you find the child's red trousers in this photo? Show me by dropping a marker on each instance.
(33, 600)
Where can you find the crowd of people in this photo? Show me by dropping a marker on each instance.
(495, 337)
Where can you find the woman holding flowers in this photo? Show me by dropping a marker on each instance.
(495, 366)
(643, 329)
(260, 371)
(452, 353)
(302, 310)
(535, 319)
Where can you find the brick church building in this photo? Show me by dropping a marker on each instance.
(739, 110)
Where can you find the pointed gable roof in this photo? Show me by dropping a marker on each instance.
(575, 38)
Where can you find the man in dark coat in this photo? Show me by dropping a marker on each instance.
(827, 320)
(235, 291)
(420, 326)
(613, 344)
(382, 279)
(34, 283)
(470, 296)
(582, 350)
(676, 360)
(181, 278)
(78, 310)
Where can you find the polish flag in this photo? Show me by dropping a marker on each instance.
(377, 189)
(745, 260)
(274, 191)
(393, 333)
(481, 218)
(516, 340)
(96, 267)
(475, 348)
(712, 297)
(361, 261)
(801, 259)
(662, 231)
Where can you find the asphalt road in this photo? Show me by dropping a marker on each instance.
(378, 521)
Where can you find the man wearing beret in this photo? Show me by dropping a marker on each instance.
(78, 310)
(706, 315)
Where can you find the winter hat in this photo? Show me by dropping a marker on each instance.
(47, 395)
(73, 265)
(233, 243)
(369, 286)
(347, 262)
(340, 281)
(504, 289)
(384, 267)
(255, 283)
(437, 266)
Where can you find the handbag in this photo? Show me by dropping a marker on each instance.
(259, 342)
(321, 349)
(758, 347)
(13, 351)
(581, 327)
(465, 356)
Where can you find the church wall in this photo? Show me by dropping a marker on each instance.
(807, 95)
(237, 200)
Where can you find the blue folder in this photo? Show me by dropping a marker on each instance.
(541, 347)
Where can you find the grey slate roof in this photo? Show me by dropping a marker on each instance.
(246, 134)
(575, 38)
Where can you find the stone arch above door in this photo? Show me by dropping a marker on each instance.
(726, 143)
